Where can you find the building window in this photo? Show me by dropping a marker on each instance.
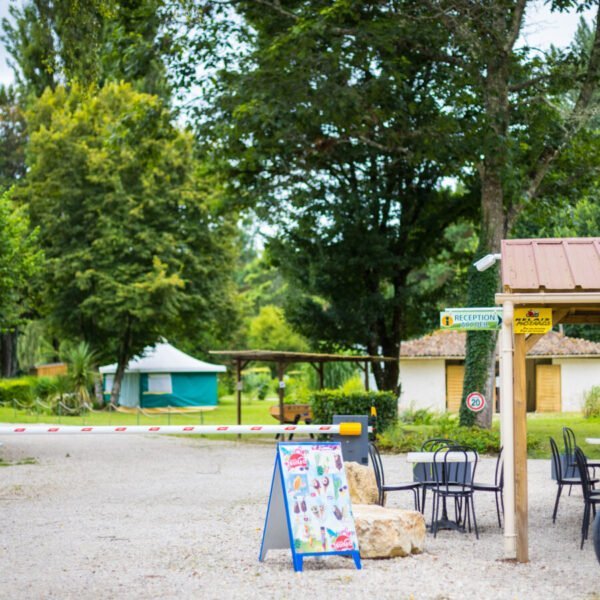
(160, 384)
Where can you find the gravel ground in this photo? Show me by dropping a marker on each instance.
(168, 517)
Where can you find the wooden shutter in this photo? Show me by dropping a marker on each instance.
(455, 375)
(547, 389)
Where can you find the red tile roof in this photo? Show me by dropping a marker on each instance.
(452, 344)
(551, 265)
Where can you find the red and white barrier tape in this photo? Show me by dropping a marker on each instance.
(169, 429)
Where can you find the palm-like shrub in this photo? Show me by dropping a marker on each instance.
(81, 372)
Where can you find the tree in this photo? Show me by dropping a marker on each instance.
(53, 42)
(12, 138)
(328, 124)
(526, 111)
(20, 261)
(135, 245)
(269, 331)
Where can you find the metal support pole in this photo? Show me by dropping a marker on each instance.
(507, 430)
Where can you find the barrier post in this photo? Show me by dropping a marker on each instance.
(373, 423)
(350, 427)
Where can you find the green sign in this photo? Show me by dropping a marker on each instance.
(471, 319)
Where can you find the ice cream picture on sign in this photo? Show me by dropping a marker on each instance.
(317, 497)
(297, 460)
(532, 320)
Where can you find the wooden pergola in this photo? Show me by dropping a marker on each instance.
(242, 358)
(563, 277)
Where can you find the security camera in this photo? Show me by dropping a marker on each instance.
(489, 260)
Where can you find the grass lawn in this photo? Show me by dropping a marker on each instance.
(542, 426)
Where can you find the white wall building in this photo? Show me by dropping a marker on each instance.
(560, 370)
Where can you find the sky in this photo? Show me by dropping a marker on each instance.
(542, 29)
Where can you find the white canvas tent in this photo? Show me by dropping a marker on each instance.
(165, 376)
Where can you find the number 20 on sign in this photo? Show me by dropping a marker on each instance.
(475, 401)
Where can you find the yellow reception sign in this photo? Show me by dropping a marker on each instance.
(533, 320)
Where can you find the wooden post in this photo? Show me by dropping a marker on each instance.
(520, 429)
(281, 389)
(366, 376)
(238, 385)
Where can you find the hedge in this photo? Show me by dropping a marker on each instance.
(326, 403)
(26, 389)
(20, 389)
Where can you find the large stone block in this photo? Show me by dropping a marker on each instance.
(388, 532)
(361, 483)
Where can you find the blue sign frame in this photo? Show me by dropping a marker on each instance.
(328, 498)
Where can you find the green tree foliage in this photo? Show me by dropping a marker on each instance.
(330, 124)
(259, 283)
(128, 219)
(269, 331)
(12, 138)
(33, 347)
(53, 42)
(20, 261)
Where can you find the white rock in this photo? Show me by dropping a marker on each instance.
(388, 532)
(361, 483)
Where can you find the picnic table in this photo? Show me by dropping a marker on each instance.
(292, 413)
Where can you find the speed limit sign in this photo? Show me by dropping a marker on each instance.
(475, 401)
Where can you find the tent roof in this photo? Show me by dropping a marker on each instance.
(164, 358)
(452, 344)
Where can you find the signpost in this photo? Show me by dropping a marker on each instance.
(475, 402)
(471, 319)
(309, 506)
(533, 320)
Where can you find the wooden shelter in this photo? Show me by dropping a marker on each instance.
(242, 358)
(544, 282)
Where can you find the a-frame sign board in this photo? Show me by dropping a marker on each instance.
(309, 506)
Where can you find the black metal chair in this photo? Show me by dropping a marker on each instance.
(561, 480)
(423, 472)
(453, 472)
(591, 497)
(497, 487)
(570, 462)
(384, 487)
